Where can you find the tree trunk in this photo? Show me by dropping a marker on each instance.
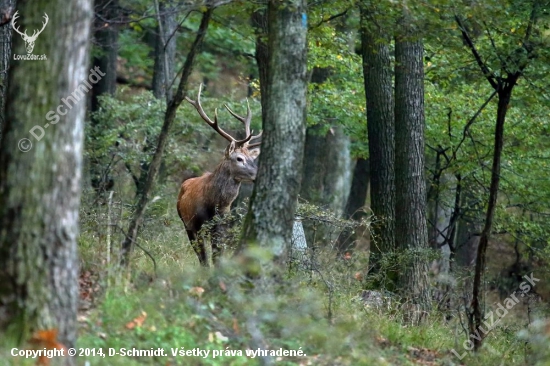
(504, 87)
(259, 23)
(40, 188)
(7, 8)
(381, 131)
(327, 170)
(504, 96)
(164, 42)
(137, 217)
(358, 191)
(165, 51)
(411, 232)
(355, 209)
(271, 215)
(106, 40)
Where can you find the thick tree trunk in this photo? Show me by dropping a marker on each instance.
(411, 232)
(271, 216)
(355, 209)
(381, 131)
(129, 242)
(327, 170)
(40, 188)
(259, 23)
(358, 191)
(7, 8)
(106, 40)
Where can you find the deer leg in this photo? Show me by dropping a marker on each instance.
(198, 246)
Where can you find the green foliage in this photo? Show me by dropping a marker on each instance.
(340, 97)
(136, 54)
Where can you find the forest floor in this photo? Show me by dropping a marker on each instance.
(319, 317)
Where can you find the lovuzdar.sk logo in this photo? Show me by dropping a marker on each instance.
(29, 40)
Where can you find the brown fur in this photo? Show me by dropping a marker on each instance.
(201, 198)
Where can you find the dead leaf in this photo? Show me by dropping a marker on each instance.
(137, 322)
(196, 291)
(47, 339)
(222, 286)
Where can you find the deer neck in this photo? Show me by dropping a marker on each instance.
(223, 187)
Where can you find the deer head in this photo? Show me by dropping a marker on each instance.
(29, 40)
(240, 159)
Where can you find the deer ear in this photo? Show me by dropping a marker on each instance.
(229, 150)
(254, 153)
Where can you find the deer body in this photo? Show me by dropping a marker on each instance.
(202, 198)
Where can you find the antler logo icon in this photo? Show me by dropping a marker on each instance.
(29, 40)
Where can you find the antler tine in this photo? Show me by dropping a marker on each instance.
(255, 137)
(213, 124)
(245, 120)
(13, 19)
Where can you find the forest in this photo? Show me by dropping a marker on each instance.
(293, 182)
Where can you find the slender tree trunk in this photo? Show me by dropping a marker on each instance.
(137, 217)
(40, 188)
(381, 130)
(271, 215)
(411, 231)
(477, 296)
(165, 51)
(164, 43)
(504, 87)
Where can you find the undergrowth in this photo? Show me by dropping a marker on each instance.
(318, 309)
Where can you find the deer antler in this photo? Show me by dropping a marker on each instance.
(15, 16)
(246, 121)
(36, 33)
(25, 35)
(214, 124)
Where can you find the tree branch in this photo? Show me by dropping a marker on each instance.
(332, 17)
(488, 74)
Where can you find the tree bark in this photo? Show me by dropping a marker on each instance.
(504, 96)
(381, 130)
(137, 218)
(327, 168)
(259, 23)
(40, 188)
(165, 51)
(7, 8)
(271, 215)
(354, 209)
(106, 40)
(411, 232)
(164, 43)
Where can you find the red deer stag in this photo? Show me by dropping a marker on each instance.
(202, 198)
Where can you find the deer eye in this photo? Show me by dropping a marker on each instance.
(240, 160)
